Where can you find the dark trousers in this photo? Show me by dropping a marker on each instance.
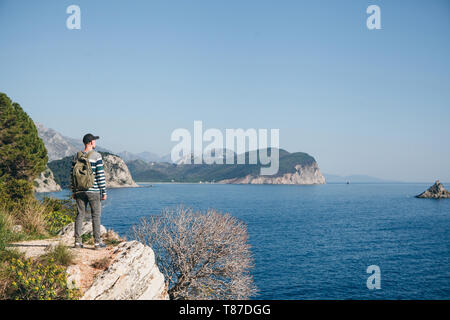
(84, 198)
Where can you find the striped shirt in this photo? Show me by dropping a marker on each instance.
(96, 162)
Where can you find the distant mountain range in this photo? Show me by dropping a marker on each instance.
(145, 156)
(59, 146)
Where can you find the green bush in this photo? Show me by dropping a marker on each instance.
(60, 212)
(6, 234)
(31, 280)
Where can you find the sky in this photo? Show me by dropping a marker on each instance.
(360, 101)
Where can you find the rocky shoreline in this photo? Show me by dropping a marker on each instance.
(304, 174)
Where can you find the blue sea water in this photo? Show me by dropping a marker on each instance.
(316, 242)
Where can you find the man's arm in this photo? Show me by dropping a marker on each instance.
(100, 177)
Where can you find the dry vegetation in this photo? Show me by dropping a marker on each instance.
(203, 255)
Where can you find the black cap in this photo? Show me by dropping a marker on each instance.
(89, 137)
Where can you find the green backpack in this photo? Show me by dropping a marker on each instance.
(82, 175)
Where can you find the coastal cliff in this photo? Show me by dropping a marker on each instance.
(116, 172)
(46, 182)
(304, 174)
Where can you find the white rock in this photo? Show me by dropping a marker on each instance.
(17, 228)
(68, 232)
(46, 182)
(117, 174)
(308, 174)
(132, 275)
(73, 277)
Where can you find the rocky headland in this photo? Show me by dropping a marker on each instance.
(294, 168)
(116, 173)
(46, 182)
(304, 174)
(436, 191)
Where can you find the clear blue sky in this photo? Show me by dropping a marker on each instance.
(360, 101)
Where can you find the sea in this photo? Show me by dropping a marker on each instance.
(317, 241)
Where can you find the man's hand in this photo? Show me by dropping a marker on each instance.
(103, 197)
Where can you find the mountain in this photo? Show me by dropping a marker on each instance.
(294, 168)
(59, 146)
(145, 156)
(356, 178)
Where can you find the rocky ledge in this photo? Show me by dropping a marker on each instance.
(131, 275)
(304, 174)
(436, 191)
(123, 271)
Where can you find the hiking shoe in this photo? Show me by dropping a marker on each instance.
(78, 245)
(99, 246)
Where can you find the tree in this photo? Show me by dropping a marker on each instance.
(202, 255)
(22, 153)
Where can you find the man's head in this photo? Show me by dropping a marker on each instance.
(89, 139)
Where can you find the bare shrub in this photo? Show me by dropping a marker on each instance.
(202, 255)
(102, 263)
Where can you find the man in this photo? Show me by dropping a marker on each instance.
(92, 196)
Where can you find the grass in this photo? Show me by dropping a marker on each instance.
(58, 254)
(87, 238)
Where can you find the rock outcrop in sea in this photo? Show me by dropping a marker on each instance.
(304, 174)
(46, 182)
(436, 191)
(116, 172)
